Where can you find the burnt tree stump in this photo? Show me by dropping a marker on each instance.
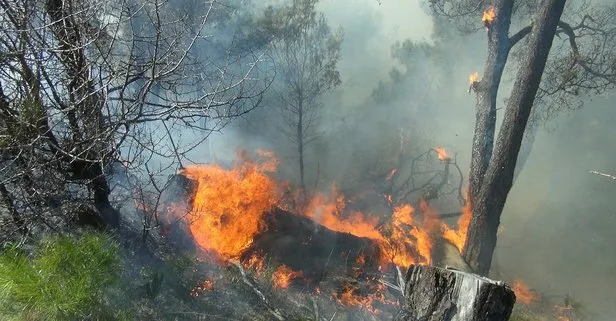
(317, 251)
(437, 294)
(288, 238)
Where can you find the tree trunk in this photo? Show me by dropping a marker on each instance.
(487, 92)
(83, 108)
(300, 143)
(435, 294)
(489, 203)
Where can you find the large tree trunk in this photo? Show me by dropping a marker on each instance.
(489, 203)
(487, 92)
(435, 294)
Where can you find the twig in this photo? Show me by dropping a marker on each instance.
(316, 309)
(604, 175)
(401, 280)
(391, 285)
(246, 280)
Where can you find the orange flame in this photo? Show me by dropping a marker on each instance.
(255, 262)
(405, 240)
(458, 237)
(229, 205)
(442, 153)
(282, 277)
(523, 293)
(351, 296)
(391, 174)
(474, 76)
(361, 260)
(206, 285)
(488, 16)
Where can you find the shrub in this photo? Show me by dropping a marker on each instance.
(65, 278)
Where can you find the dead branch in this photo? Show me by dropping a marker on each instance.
(247, 280)
(612, 177)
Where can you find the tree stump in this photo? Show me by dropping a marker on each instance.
(436, 294)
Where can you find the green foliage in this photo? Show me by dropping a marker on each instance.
(181, 263)
(154, 284)
(65, 278)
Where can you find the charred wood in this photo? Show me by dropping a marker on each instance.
(316, 251)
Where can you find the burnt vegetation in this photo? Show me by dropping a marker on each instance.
(113, 189)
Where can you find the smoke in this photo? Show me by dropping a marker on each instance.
(558, 222)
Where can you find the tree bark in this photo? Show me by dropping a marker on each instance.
(489, 203)
(487, 92)
(83, 107)
(435, 294)
(318, 252)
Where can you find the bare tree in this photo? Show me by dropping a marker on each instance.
(581, 62)
(306, 53)
(84, 85)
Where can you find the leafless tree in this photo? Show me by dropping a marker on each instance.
(562, 57)
(306, 52)
(86, 85)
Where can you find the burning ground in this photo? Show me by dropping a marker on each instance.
(306, 242)
(238, 243)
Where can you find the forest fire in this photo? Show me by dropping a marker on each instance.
(474, 76)
(229, 205)
(458, 237)
(283, 276)
(488, 16)
(230, 210)
(472, 79)
(442, 154)
(523, 293)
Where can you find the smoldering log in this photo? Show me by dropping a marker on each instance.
(437, 294)
(316, 251)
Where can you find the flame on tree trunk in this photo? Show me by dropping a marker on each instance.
(491, 176)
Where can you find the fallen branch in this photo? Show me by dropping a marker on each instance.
(604, 175)
(247, 280)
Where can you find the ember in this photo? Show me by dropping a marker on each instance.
(283, 276)
(205, 286)
(523, 293)
(488, 16)
(472, 79)
(351, 295)
(442, 154)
